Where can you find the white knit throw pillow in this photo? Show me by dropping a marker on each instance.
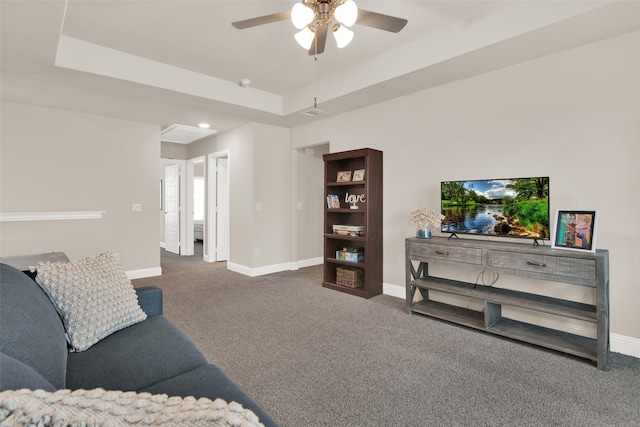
(93, 296)
(102, 408)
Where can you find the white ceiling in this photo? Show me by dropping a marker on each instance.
(180, 61)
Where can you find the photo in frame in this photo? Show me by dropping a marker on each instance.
(333, 202)
(358, 175)
(576, 230)
(343, 176)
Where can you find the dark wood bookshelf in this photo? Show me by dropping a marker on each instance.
(368, 214)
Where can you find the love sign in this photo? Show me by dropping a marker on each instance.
(354, 199)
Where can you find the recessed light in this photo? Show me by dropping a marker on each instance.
(204, 125)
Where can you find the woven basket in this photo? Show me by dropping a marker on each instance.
(348, 277)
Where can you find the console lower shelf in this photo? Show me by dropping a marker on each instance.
(576, 345)
(553, 339)
(451, 313)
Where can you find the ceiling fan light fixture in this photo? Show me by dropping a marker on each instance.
(316, 18)
(305, 38)
(346, 13)
(301, 15)
(342, 35)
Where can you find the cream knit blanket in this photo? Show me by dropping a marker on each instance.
(101, 408)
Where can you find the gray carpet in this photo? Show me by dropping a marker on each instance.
(316, 357)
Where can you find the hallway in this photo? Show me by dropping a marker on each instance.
(172, 263)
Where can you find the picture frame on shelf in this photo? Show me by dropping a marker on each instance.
(576, 230)
(358, 175)
(333, 201)
(344, 176)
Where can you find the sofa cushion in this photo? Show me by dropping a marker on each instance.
(30, 329)
(210, 382)
(15, 375)
(110, 408)
(150, 300)
(134, 358)
(93, 296)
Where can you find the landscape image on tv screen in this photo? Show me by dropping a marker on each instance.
(516, 207)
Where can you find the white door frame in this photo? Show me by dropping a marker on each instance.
(210, 254)
(188, 247)
(182, 197)
(223, 207)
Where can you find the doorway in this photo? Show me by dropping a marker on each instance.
(172, 201)
(195, 204)
(182, 181)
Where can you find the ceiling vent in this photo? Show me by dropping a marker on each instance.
(181, 134)
(313, 112)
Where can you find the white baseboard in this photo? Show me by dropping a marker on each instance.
(274, 268)
(623, 344)
(394, 290)
(145, 272)
(238, 268)
(307, 263)
(258, 271)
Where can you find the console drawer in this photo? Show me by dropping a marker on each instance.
(446, 253)
(575, 268)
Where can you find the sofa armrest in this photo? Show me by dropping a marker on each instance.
(150, 299)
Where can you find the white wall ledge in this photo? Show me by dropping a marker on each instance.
(49, 216)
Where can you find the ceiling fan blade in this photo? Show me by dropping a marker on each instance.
(380, 21)
(317, 47)
(261, 20)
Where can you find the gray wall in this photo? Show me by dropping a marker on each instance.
(62, 161)
(573, 116)
(259, 169)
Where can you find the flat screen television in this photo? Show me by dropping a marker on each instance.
(514, 207)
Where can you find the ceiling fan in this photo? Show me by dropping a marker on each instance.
(315, 17)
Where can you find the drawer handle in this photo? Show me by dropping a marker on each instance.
(442, 252)
(537, 264)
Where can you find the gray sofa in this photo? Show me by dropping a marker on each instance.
(151, 356)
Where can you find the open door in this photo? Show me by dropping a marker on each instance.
(218, 206)
(172, 209)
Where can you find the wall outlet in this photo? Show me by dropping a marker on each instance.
(136, 207)
(257, 251)
(116, 255)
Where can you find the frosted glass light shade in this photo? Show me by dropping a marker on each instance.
(343, 36)
(305, 38)
(301, 15)
(347, 13)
